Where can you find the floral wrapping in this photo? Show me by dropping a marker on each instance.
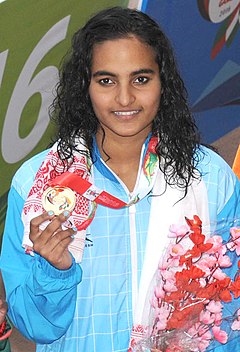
(194, 302)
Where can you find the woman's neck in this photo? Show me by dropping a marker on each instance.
(122, 155)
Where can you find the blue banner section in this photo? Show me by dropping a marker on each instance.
(205, 35)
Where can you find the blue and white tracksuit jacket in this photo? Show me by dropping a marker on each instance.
(88, 308)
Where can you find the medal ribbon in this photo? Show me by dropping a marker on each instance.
(87, 190)
(94, 194)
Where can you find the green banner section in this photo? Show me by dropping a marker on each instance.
(35, 35)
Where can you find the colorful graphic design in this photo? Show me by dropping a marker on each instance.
(224, 88)
(58, 199)
(150, 160)
(205, 36)
(225, 12)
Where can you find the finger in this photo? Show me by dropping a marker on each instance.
(62, 257)
(60, 242)
(52, 228)
(37, 221)
(49, 240)
(56, 250)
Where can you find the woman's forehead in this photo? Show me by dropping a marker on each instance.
(125, 54)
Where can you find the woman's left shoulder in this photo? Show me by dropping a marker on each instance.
(209, 161)
(222, 184)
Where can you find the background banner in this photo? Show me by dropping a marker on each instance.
(34, 36)
(205, 35)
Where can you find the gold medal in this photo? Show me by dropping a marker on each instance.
(58, 199)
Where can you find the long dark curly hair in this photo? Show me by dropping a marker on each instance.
(174, 124)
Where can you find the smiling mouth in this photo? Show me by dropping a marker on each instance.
(126, 113)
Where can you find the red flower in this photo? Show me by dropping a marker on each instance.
(174, 297)
(225, 296)
(197, 238)
(195, 223)
(235, 287)
(185, 316)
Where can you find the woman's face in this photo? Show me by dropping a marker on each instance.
(125, 87)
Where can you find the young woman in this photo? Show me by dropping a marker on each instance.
(129, 153)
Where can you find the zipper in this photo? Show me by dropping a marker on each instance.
(134, 261)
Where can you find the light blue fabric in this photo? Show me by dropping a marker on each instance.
(89, 307)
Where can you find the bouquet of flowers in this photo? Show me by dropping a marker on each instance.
(194, 302)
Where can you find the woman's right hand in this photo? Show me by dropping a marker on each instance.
(52, 242)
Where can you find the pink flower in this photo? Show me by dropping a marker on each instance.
(218, 318)
(163, 315)
(224, 261)
(164, 263)
(218, 246)
(176, 250)
(220, 335)
(236, 325)
(214, 307)
(201, 336)
(206, 264)
(162, 324)
(203, 344)
(206, 317)
(168, 275)
(234, 246)
(159, 292)
(235, 243)
(219, 274)
(170, 286)
(178, 231)
(235, 233)
(173, 262)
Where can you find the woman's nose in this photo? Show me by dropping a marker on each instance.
(125, 95)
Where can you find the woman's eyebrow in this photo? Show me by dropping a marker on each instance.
(143, 71)
(134, 73)
(103, 73)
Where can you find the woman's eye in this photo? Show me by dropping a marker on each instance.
(105, 81)
(141, 80)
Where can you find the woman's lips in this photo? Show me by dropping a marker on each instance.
(128, 113)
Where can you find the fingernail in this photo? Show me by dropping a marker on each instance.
(72, 236)
(66, 213)
(50, 212)
(74, 229)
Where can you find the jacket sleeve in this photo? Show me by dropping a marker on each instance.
(41, 298)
